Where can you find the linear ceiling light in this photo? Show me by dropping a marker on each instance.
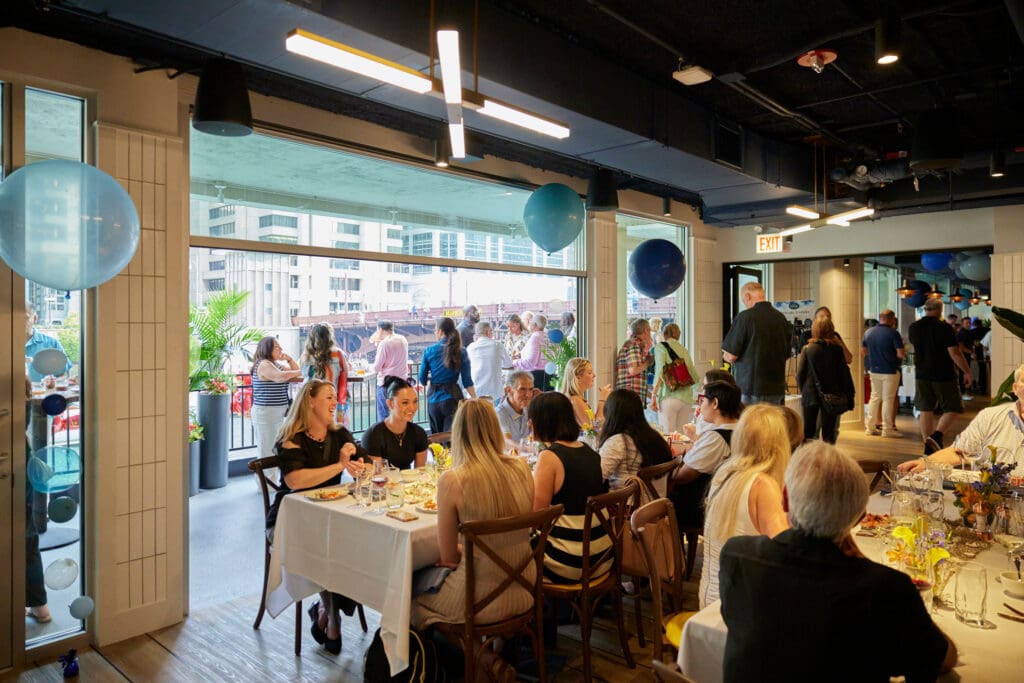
(997, 164)
(848, 216)
(451, 85)
(506, 112)
(457, 133)
(796, 210)
(349, 58)
(796, 231)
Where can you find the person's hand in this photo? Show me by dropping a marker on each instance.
(690, 430)
(354, 468)
(602, 392)
(912, 466)
(654, 403)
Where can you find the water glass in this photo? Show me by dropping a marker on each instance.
(903, 508)
(364, 488)
(971, 594)
(933, 504)
(395, 495)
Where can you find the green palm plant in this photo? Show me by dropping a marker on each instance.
(214, 334)
(1014, 322)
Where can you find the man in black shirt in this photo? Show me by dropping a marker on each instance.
(795, 604)
(470, 317)
(936, 357)
(757, 345)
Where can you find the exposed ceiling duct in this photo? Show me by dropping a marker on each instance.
(867, 175)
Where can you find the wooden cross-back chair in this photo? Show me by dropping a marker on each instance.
(668, 673)
(609, 511)
(259, 467)
(877, 467)
(474, 637)
(442, 438)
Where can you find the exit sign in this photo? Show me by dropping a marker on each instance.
(769, 244)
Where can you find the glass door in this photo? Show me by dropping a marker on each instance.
(735, 278)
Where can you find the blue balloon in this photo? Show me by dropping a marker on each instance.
(66, 225)
(936, 261)
(978, 267)
(656, 268)
(555, 336)
(54, 469)
(920, 296)
(966, 302)
(554, 216)
(54, 405)
(62, 509)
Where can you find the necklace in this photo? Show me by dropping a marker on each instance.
(315, 439)
(400, 437)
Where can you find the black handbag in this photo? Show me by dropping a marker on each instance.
(831, 404)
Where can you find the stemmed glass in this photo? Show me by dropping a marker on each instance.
(379, 479)
(974, 457)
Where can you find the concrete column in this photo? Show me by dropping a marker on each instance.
(603, 297)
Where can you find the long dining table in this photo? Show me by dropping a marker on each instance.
(986, 655)
(363, 554)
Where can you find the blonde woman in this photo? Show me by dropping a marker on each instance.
(673, 406)
(656, 333)
(483, 483)
(516, 337)
(577, 378)
(745, 495)
(322, 359)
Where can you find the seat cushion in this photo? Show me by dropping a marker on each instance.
(674, 627)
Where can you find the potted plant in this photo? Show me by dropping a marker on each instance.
(195, 435)
(214, 335)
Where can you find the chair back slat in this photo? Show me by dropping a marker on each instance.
(258, 466)
(651, 474)
(877, 467)
(609, 510)
(668, 673)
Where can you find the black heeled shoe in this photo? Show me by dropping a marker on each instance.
(314, 628)
(333, 645)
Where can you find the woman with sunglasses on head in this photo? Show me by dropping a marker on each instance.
(313, 451)
(576, 379)
(443, 365)
(396, 438)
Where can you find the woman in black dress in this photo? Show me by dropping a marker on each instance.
(822, 369)
(314, 451)
(396, 438)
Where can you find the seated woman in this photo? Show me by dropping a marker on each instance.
(313, 451)
(720, 407)
(567, 473)
(627, 441)
(745, 495)
(577, 378)
(482, 484)
(397, 438)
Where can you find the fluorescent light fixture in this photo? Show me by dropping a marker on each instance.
(457, 133)
(795, 210)
(692, 75)
(841, 224)
(510, 114)
(848, 216)
(350, 59)
(795, 231)
(451, 70)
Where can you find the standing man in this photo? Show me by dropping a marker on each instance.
(392, 359)
(936, 357)
(965, 339)
(487, 358)
(511, 411)
(634, 359)
(757, 346)
(470, 317)
(882, 346)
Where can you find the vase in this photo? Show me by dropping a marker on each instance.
(193, 468)
(215, 416)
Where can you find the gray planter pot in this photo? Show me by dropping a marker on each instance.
(193, 468)
(215, 416)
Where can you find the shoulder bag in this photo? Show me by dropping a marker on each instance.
(675, 374)
(831, 404)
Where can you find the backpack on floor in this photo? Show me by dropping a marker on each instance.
(424, 666)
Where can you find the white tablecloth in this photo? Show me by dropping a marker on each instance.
(991, 655)
(366, 556)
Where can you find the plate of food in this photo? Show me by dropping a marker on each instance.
(419, 492)
(322, 495)
(870, 524)
(427, 506)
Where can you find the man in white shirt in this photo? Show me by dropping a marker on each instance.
(487, 358)
(392, 359)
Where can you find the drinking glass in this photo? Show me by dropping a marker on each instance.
(903, 508)
(933, 504)
(971, 594)
(364, 488)
(974, 457)
(379, 478)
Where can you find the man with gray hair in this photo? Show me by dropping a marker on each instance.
(757, 345)
(519, 391)
(634, 359)
(795, 603)
(936, 357)
(487, 358)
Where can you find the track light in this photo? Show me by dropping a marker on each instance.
(602, 194)
(846, 263)
(666, 206)
(222, 100)
(997, 164)
(887, 40)
(441, 156)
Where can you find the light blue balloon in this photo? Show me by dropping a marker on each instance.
(54, 469)
(966, 302)
(60, 574)
(978, 267)
(81, 607)
(66, 225)
(551, 368)
(554, 216)
(555, 336)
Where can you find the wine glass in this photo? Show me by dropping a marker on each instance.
(379, 479)
(974, 457)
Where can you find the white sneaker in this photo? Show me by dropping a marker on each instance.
(892, 435)
(967, 397)
(870, 431)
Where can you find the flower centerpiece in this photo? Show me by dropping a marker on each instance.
(442, 456)
(977, 500)
(921, 553)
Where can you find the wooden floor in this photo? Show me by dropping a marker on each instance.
(219, 644)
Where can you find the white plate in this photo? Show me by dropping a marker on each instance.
(312, 495)
(427, 511)
(963, 476)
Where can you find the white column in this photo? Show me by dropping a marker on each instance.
(841, 288)
(602, 296)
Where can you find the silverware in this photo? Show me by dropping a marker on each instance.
(1016, 561)
(1013, 609)
(1011, 618)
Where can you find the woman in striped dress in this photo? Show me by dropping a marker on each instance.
(270, 391)
(567, 473)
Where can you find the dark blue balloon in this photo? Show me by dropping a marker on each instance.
(54, 405)
(936, 261)
(656, 268)
(965, 303)
(920, 296)
(555, 336)
(554, 216)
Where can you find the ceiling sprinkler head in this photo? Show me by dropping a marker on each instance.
(817, 59)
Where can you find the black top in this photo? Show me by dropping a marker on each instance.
(966, 340)
(583, 477)
(932, 337)
(466, 332)
(833, 372)
(399, 450)
(759, 336)
(796, 607)
(310, 454)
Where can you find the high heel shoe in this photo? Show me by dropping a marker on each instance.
(314, 628)
(333, 645)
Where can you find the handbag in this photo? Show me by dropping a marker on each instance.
(831, 404)
(633, 561)
(675, 374)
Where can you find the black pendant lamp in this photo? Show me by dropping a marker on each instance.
(936, 144)
(222, 100)
(602, 194)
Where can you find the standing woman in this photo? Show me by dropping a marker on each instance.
(577, 378)
(270, 398)
(322, 359)
(821, 369)
(672, 405)
(532, 358)
(397, 438)
(515, 338)
(314, 451)
(443, 365)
